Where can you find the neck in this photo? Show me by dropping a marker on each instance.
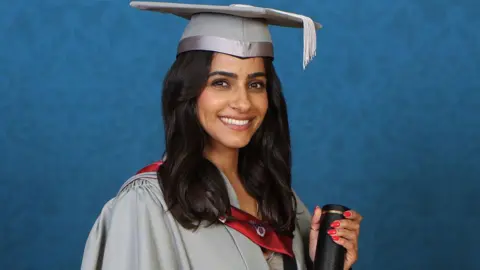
(226, 159)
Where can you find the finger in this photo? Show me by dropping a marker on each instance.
(343, 233)
(349, 245)
(352, 214)
(347, 224)
(352, 250)
(315, 223)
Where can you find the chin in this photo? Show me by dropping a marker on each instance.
(235, 143)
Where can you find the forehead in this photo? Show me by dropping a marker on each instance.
(225, 62)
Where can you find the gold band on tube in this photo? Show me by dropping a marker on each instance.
(333, 212)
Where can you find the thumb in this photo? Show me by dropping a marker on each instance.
(315, 223)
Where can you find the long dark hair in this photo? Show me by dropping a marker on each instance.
(194, 189)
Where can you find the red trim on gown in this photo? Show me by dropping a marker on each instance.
(256, 230)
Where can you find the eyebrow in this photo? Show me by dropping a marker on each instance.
(233, 75)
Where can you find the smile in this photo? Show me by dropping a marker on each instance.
(236, 124)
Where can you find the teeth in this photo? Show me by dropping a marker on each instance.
(234, 121)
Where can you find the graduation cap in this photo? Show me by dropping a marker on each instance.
(238, 30)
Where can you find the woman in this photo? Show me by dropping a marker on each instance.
(222, 197)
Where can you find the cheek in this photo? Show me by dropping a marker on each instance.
(262, 105)
(208, 106)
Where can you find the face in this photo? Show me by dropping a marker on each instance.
(234, 102)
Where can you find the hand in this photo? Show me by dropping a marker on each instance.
(344, 232)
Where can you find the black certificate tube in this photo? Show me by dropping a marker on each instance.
(329, 255)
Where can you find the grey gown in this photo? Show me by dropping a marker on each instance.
(134, 232)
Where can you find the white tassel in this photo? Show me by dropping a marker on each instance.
(309, 36)
(309, 40)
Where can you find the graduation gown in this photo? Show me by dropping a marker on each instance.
(134, 232)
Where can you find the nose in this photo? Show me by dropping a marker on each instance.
(241, 100)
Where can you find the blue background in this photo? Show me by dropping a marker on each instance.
(384, 120)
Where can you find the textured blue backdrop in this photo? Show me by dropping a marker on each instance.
(385, 120)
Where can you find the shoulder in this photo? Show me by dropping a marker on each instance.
(125, 225)
(141, 191)
(138, 198)
(143, 185)
(138, 190)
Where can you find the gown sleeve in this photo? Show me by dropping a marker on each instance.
(133, 232)
(304, 220)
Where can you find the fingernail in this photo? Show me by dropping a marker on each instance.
(347, 214)
(335, 238)
(335, 224)
(331, 231)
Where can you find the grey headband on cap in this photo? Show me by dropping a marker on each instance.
(237, 30)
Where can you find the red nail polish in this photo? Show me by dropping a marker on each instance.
(331, 231)
(335, 224)
(347, 214)
(335, 238)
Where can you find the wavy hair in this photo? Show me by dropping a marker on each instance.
(194, 189)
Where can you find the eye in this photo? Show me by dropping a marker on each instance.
(257, 85)
(220, 83)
